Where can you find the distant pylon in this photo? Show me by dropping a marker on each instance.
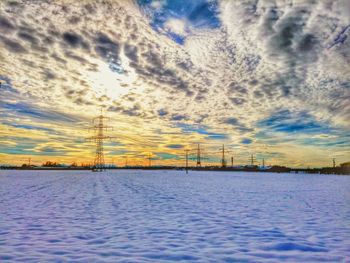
(29, 161)
(186, 151)
(231, 161)
(334, 163)
(149, 160)
(263, 162)
(199, 164)
(252, 159)
(98, 138)
(223, 160)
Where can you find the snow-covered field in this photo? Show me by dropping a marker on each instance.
(155, 216)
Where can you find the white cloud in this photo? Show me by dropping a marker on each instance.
(267, 55)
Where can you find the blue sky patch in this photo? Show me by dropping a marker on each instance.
(198, 14)
(167, 156)
(299, 122)
(28, 127)
(187, 128)
(246, 141)
(174, 146)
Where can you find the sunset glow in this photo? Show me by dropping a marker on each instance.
(270, 79)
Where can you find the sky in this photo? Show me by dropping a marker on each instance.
(263, 77)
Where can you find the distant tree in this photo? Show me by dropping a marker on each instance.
(50, 164)
(345, 165)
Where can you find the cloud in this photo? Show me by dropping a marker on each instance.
(6, 25)
(39, 113)
(180, 72)
(12, 45)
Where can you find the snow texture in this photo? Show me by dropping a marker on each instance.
(156, 216)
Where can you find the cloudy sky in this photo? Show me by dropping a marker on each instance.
(263, 77)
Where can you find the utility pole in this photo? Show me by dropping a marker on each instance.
(231, 161)
(186, 151)
(223, 161)
(333, 162)
(263, 162)
(199, 164)
(98, 138)
(126, 161)
(252, 159)
(149, 160)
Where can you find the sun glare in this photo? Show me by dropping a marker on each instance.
(112, 79)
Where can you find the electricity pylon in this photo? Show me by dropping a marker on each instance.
(199, 164)
(186, 151)
(29, 161)
(149, 159)
(252, 160)
(223, 160)
(99, 128)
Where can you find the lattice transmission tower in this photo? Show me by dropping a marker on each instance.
(199, 163)
(99, 127)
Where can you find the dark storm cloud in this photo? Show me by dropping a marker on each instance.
(12, 45)
(78, 96)
(231, 121)
(238, 101)
(154, 68)
(71, 39)
(292, 37)
(288, 39)
(6, 25)
(131, 52)
(6, 87)
(185, 65)
(174, 146)
(237, 125)
(28, 37)
(105, 47)
(178, 117)
(341, 37)
(49, 75)
(76, 57)
(236, 88)
(134, 110)
(74, 40)
(162, 112)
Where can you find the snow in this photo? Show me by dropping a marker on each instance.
(156, 216)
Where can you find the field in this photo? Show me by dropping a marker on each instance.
(155, 216)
